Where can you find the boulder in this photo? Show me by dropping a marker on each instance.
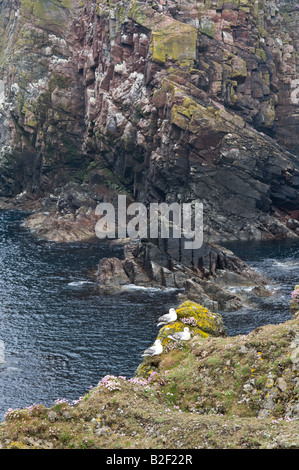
(111, 275)
(201, 322)
(207, 321)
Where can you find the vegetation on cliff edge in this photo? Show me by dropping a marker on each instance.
(213, 392)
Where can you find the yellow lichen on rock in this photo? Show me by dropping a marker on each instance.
(202, 323)
(207, 321)
(176, 41)
(176, 327)
(170, 38)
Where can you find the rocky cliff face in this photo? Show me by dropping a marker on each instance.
(181, 101)
(165, 100)
(193, 101)
(42, 103)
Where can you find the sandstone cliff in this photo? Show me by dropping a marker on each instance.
(178, 101)
(170, 101)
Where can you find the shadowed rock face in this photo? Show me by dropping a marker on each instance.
(42, 107)
(195, 101)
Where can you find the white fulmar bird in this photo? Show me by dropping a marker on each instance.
(181, 335)
(154, 350)
(168, 317)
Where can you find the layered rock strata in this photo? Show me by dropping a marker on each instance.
(164, 101)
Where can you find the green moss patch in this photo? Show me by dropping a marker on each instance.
(170, 38)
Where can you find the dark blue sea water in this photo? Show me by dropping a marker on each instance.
(61, 336)
(279, 261)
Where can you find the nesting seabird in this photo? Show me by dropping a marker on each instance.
(154, 350)
(168, 317)
(181, 335)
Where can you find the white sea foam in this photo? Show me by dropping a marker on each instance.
(287, 264)
(240, 288)
(2, 349)
(149, 289)
(79, 283)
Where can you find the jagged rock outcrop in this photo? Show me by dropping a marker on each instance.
(145, 265)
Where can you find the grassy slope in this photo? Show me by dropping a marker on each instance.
(207, 393)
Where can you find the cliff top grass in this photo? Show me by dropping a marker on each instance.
(210, 392)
